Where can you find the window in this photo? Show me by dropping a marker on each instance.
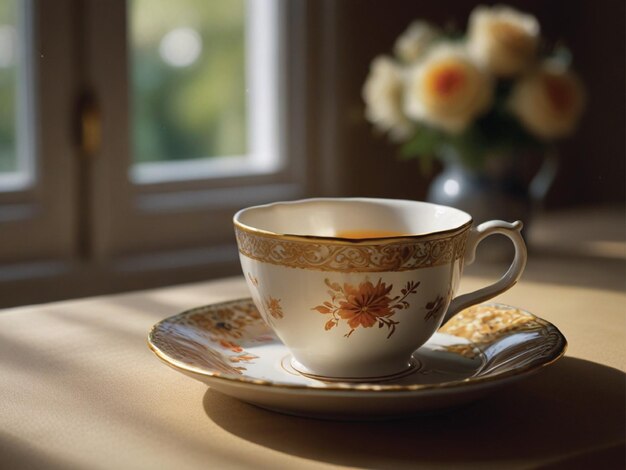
(36, 191)
(203, 89)
(134, 131)
(16, 165)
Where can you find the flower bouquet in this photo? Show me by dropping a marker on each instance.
(497, 90)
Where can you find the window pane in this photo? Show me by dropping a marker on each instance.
(188, 79)
(204, 84)
(15, 91)
(8, 160)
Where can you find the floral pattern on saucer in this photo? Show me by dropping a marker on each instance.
(214, 338)
(229, 347)
(487, 325)
(220, 339)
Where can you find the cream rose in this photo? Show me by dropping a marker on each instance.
(382, 93)
(447, 89)
(549, 100)
(414, 42)
(503, 39)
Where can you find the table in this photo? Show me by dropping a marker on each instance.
(80, 389)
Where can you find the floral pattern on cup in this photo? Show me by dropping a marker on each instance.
(271, 305)
(435, 307)
(364, 305)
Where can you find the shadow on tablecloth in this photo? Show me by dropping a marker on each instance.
(572, 412)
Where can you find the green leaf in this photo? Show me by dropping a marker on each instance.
(425, 142)
(471, 146)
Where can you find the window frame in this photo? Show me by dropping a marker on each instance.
(25, 176)
(164, 215)
(262, 70)
(35, 220)
(181, 232)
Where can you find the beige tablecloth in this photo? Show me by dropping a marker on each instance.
(79, 388)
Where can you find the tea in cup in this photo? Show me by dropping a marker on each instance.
(353, 286)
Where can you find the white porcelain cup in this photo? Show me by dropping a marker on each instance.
(357, 308)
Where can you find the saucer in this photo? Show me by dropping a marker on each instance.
(230, 348)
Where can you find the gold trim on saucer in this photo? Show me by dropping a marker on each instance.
(182, 341)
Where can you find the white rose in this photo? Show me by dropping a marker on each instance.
(503, 39)
(382, 93)
(447, 89)
(549, 100)
(412, 44)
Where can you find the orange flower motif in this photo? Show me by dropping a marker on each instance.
(234, 347)
(273, 307)
(365, 305)
(270, 306)
(227, 327)
(435, 308)
(243, 358)
(222, 324)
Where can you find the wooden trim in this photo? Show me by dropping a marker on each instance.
(105, 235)
(126, 218)
(58, 279)
(38, 221)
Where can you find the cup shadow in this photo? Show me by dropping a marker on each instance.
(562, 415)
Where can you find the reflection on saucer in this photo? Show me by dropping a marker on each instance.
(291, 366)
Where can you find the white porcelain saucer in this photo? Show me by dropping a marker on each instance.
(230, 348)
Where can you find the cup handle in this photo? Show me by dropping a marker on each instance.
(510, 278)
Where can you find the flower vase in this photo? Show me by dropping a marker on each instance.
(498, 190)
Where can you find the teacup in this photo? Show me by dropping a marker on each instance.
(353, 286)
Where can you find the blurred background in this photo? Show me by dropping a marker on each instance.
(131, 131)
